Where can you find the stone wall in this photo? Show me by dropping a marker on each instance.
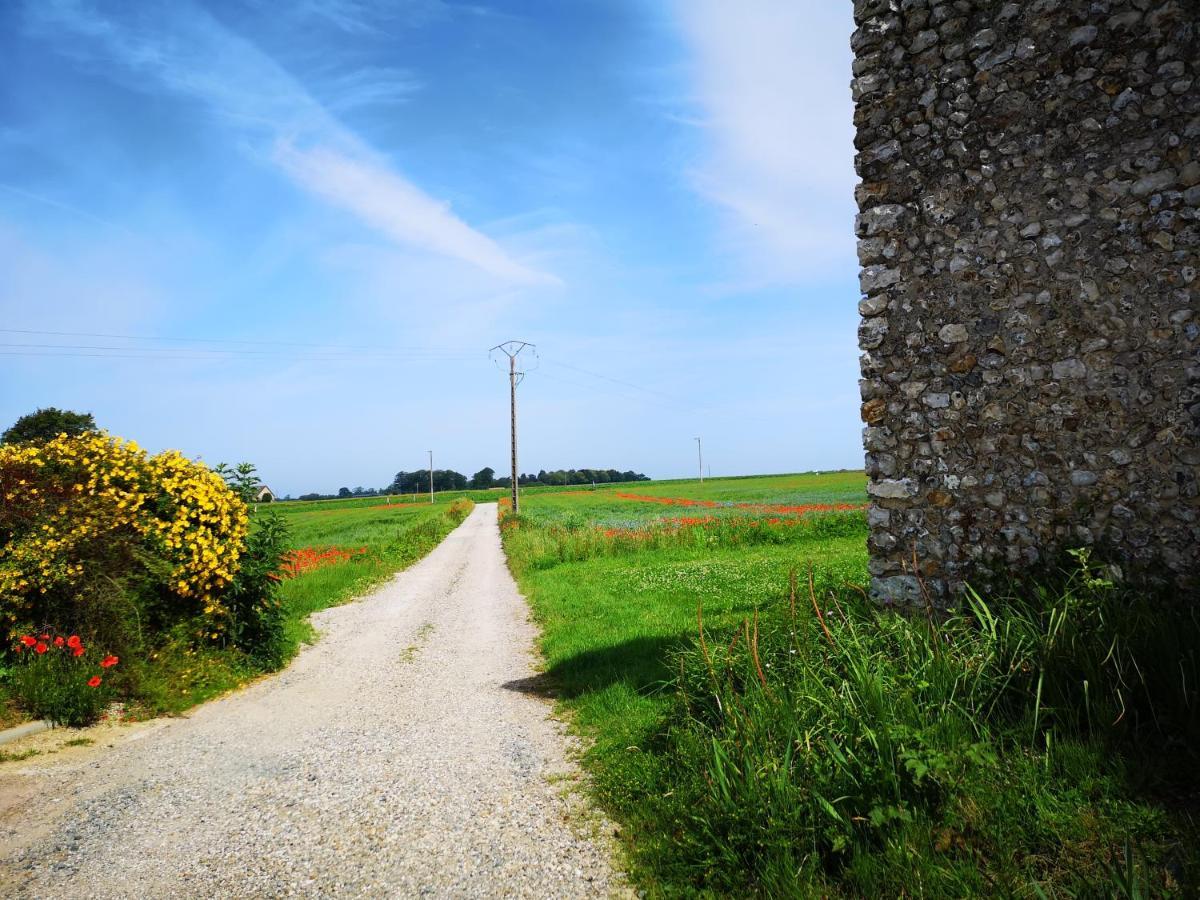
(1029, 241)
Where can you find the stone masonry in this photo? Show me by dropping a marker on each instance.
(1029, 235)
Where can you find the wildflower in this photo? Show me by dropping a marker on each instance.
(28, 640)
(94, 681)
(109, 660)
(58, 641)
(78, 651)
(73, 642)
(40, 648)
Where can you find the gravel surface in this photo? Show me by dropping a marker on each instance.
(402, 755)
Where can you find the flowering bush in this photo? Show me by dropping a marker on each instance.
(91, 506)
(56, 679)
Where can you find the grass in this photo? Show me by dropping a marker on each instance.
(814, 745)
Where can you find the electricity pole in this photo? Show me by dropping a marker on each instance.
(513, 349)
(700, 459)
(430, 476)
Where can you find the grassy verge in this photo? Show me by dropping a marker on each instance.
(380, 542)
(813, 745)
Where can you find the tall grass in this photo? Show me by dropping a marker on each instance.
(832, 747)
(532, 546)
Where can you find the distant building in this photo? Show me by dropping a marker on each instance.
(264, 495)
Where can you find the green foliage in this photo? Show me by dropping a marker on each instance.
(242, 479)
(47, 424)
(257, 616)
(52, 682)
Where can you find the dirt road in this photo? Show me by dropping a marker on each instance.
(399, 756)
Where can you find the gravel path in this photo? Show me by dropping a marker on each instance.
(399, 756)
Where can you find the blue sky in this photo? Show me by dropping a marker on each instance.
(368, 195)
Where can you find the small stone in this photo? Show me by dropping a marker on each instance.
(872, 306)
(983, 39)
(873, 410)
(962, 364)
(895, 589)
(940, 498)
(1082, 478)
(892, 489)
(953, 334)
(1068, 368)
(878, 517)
(1082, 36)
(1152, 183)
(937, 400)
(875, 278)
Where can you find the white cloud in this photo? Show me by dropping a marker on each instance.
(771, 81)
(398, 209)
(185, 50)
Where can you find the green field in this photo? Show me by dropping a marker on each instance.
(815, 745)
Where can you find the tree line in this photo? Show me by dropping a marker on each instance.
(417, 482)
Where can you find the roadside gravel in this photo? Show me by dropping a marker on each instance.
(401, 755)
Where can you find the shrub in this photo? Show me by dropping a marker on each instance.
(256, 615)
(57, 678)
(78, 508)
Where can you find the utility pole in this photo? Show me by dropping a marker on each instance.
(430, 476)
(700, 459)
(513, 349)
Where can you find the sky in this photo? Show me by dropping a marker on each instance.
(290, 233)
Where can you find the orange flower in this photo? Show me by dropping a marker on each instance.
(58, 641)
(73, 641)
(109, 660)
(28, 640)
(94, 681)
(40, 648)
(78, 651)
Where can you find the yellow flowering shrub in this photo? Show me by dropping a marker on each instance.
(94, 505)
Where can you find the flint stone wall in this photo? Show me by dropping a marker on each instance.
(1029, 241)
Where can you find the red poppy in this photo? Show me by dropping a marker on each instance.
(94, 681)
(40, 648)
(58, 641)
(109, 660)
(79, 651)
(73, 641)
(28, 640)
(45, 637)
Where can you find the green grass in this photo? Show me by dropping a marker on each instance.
(853, 751)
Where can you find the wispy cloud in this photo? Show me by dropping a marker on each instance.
(771, 83)
(183, 49)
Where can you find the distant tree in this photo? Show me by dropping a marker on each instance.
(344, 492)
(47, 424)
(484, 478)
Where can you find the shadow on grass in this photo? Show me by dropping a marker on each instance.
(640, 662)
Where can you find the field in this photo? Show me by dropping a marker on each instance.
(756, 727)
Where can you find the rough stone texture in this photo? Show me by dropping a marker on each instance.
(1029, 241)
